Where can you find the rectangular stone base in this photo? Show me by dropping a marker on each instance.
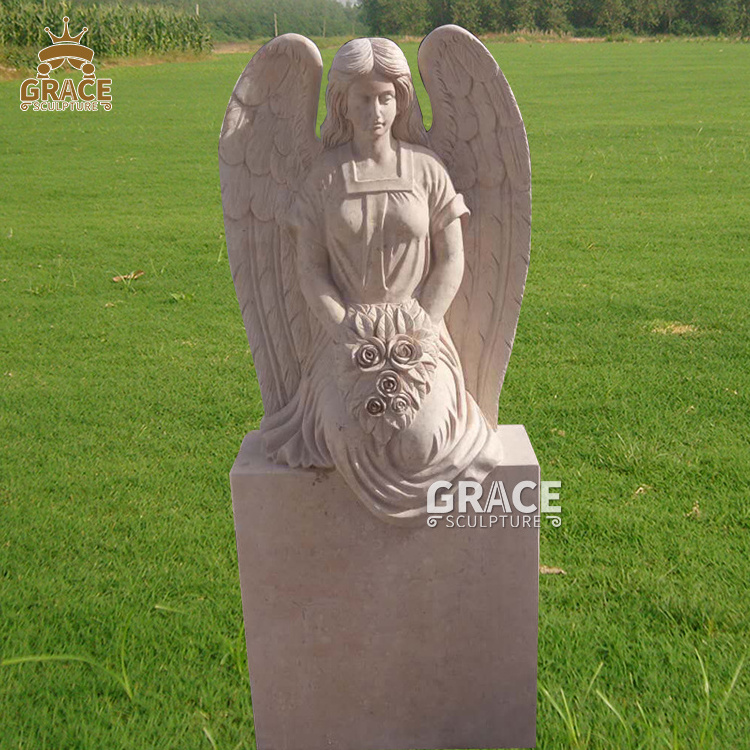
(366, 636)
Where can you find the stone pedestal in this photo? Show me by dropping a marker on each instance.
(366, 636)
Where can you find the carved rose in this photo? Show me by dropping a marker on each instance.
(375, 406)
(370, 355)
(386, 363)
(400, 404)
(388, 383)
(404, 351)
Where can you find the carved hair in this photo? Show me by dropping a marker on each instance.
(360, 57)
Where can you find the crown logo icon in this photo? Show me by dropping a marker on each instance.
(66, 48)
(66, 38)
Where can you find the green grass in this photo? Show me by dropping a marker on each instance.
(122, 405)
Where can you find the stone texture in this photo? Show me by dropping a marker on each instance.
(366, 636)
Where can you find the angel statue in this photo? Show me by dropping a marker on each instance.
(380, 304)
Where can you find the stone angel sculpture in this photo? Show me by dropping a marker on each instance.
(379, 268)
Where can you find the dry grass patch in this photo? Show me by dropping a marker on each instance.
(547, 570)
(675, 329)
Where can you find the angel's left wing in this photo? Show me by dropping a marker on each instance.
(478, 132)
(266, 148)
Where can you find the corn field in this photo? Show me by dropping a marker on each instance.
(113, 30)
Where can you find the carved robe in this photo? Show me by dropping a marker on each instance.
(377, 236)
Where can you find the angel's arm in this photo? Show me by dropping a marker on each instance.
(446, 272)
(317, 285)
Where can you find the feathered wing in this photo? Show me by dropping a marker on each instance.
(266, 148)
(478, 131)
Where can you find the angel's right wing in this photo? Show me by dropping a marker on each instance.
(266, 148)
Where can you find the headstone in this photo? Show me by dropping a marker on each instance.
(380, 270)
(362, 636)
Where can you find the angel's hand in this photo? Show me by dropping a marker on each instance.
(327, 306)
(335, 319)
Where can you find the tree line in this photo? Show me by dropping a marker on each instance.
(161, 25)
(586, 17)
(258, 19)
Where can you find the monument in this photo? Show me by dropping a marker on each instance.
(379, 270)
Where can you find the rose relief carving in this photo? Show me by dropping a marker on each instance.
(385, 365)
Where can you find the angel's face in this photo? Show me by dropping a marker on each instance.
(371, 105)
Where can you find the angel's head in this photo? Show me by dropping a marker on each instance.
(383, 61)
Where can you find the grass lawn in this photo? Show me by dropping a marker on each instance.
(122, 405)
